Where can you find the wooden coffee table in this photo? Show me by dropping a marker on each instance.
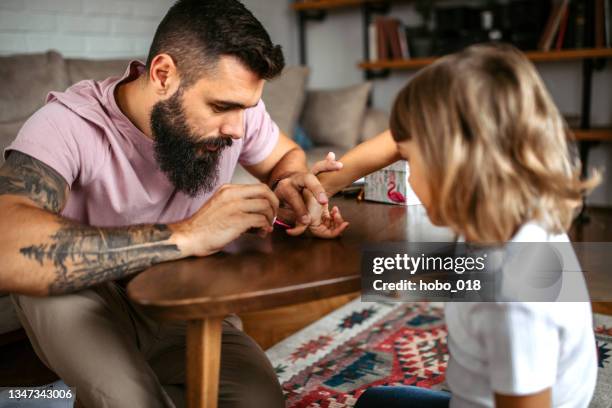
(254, 274)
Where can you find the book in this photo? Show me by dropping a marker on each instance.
(608, 22)
(570, 32)
(401, 34)
(391, 27)
(580, 40)
(589, 31)
(600, 29)
(562, 30)
(552, 25)
(381, 40)
(372, 42)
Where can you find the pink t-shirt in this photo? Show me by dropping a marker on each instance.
(110, 165)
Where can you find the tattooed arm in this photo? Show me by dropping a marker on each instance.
(44, 254)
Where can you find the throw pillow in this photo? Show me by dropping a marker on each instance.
(284, 97)
(301, 138)
(334, 117)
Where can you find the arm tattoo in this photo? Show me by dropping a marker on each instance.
(83, 256)
(79, 255)
(25, 176)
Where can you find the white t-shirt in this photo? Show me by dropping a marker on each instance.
(521, 348)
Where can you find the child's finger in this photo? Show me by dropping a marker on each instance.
(337, 216)
(297, 230)
(341, 228)
(328, 164)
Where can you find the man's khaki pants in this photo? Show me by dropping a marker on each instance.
(101, 343)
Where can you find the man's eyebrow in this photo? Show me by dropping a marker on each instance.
(231, 104)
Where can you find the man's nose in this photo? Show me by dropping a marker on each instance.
(233, 125)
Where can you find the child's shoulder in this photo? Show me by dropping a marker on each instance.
(534, 232)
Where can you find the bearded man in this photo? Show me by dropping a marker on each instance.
(111, 177)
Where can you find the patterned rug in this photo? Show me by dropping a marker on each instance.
(360, 345)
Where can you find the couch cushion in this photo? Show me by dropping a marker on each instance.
(80, 69)
(26, 81)
(318, 153)
(374, 122)
(334, 117)
(8, 132)
(284, 97)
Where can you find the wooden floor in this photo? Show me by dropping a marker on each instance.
(20, 366)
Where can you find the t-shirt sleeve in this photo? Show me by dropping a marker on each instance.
(260, 135)
(521, 345)
(60, 139)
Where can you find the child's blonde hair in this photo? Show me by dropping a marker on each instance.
(494, 145)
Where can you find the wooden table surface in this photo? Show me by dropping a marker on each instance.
(255, 274)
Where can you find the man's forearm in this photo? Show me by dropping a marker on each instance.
(63, 256)
(293, 161)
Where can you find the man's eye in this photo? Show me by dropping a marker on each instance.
(219, 109)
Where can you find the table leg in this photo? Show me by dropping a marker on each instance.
(203, 362)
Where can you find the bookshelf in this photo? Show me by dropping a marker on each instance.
(328, 4)
(591, 58)
(593, 135)
(536, 56)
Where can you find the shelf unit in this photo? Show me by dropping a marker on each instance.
(591, 58)
(329, 4)
(593, 135)
(584, 134)
(535, 56)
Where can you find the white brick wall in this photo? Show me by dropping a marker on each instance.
(80, 28)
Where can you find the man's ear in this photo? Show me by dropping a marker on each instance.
(163, 75)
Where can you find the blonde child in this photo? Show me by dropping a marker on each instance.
(488, 154)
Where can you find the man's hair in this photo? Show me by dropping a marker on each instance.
(493, 142)
(196, 33)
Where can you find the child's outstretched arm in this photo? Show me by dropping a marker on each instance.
(361, 160)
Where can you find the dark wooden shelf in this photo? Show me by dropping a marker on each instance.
(330, 4)
(593, 135)
(536, 56)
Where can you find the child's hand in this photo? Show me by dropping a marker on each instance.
(328, 164)
(324, 223)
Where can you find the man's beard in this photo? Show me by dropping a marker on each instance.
(187, 162)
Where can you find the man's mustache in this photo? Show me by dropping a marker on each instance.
(217, 142)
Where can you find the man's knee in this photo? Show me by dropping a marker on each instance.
(247, 378)
(60, 308)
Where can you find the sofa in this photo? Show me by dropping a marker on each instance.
(324, 120)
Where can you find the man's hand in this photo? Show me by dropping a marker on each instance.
(322, 223)
(231, 211)
(290, 189)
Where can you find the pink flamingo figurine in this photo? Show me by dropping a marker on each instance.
(395, 196)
